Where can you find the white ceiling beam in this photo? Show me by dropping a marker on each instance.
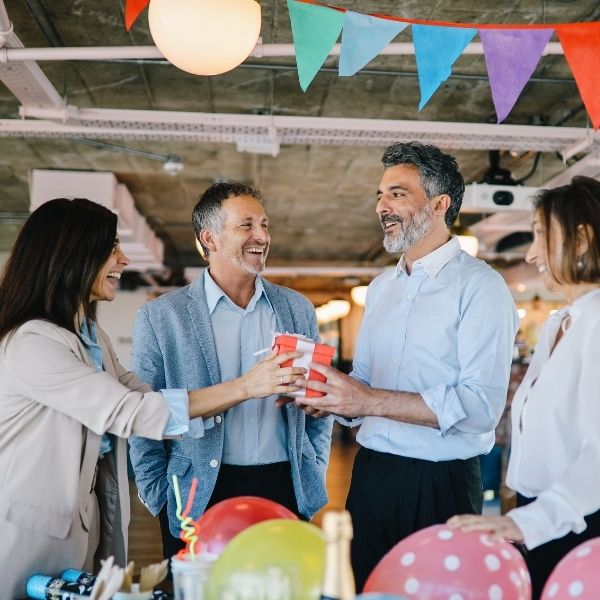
(24, 79)
(231, 128)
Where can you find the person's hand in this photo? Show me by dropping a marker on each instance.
(315, 413)
(308, 410)
(499, 527)
(267, 377)
(344, 396)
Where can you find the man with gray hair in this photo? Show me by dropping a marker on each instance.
(208, 335)
(431, 368)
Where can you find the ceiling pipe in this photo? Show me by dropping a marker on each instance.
(145, 52)
(6, 27)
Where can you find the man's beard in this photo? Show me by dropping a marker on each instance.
(411, 230)
(248, 267)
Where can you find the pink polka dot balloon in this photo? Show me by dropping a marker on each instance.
(576, 576)
(439, 563)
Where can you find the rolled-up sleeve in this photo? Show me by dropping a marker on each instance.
(180, 423)
(486, 335)
(445, 403)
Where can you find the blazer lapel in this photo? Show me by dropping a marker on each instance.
(200, 317)
(285, 324)
(283, 313)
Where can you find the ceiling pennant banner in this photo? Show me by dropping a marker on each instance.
(511, 56)
(363, 38)
(315, 30)
(436, 50)
(133, 9)
(581, 45)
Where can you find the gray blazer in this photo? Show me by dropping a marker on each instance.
(174, 347)
(54, 409)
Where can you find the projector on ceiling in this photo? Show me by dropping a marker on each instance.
(485, 198)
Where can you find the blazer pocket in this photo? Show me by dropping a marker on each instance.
(54, 524)
(308, 449)
(182, 467)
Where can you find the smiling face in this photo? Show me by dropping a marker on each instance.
(107, 280)
(244, 238)
(405, 212)
(547, 258)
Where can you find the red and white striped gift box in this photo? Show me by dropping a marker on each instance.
(311, 352)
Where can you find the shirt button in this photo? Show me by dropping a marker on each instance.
(214, 462)
(218, 419)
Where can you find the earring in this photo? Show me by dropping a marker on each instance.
(579, 264)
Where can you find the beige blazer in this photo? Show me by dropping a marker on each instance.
(54, 409)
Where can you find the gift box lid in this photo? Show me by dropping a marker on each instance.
(286, 342)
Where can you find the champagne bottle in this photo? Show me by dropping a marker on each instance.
(348, 586)
(338, 580)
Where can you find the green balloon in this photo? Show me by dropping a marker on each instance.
(273, 555)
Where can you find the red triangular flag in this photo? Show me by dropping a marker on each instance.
(133, 8)
(581, 45)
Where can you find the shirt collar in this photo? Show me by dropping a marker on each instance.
(578, 306)
(88, 333)
(214, 293)
(433, 262)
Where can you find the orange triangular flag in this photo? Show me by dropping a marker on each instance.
(581, 45)
(133, 8)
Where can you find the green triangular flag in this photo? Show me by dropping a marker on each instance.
(315, 30)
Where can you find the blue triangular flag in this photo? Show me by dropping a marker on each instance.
(436, 50)
(363, 38)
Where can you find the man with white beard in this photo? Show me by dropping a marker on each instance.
(210, 334)
(431, 368)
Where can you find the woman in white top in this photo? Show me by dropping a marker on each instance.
(555, 452)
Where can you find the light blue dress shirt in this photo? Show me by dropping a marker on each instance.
(445, 331)
(176, 399)
(255, 431)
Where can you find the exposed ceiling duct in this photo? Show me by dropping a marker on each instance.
(137, 239)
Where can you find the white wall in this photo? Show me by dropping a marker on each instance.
(116, 318)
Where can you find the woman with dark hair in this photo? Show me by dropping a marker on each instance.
(67, 405)
(555, 452)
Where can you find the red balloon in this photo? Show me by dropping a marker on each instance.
(576, 575)
(439, 563)
(223, 521)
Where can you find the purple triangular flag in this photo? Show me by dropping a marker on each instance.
(511, 56)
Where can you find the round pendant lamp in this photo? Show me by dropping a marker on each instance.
(205, 37)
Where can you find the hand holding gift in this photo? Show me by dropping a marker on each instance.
(306, 352)
(336, 393)
(275, 374)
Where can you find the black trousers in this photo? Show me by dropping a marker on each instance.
(273, 482)
(393, 496)
(542, 560)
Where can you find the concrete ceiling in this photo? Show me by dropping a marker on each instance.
(320, 198)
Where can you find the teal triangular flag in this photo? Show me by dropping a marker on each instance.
(436, 50)
(315, 30)
(364, 37)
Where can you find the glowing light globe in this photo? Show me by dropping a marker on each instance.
(205, 37)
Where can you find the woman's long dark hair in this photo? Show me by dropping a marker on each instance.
(54, 262)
